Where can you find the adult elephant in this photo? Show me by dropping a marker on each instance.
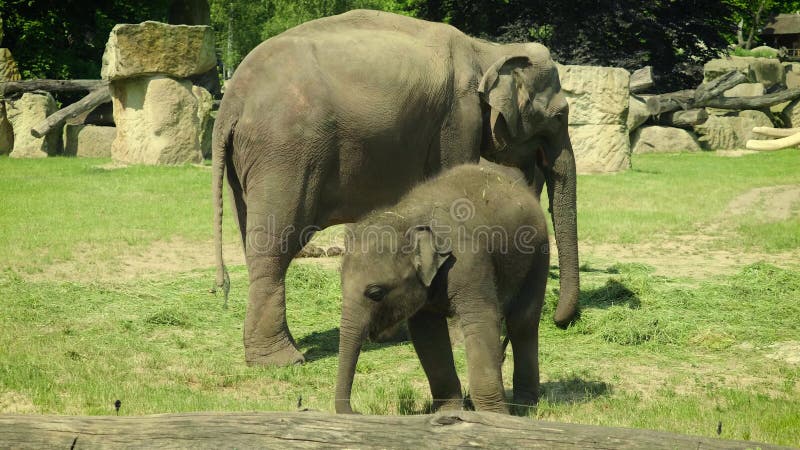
(341, 115)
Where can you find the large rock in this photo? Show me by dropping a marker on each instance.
(159, 120)
(596, 95)
(766, 71)
(88, 141)
(600, 148)
(732, 131)
(792, 74)
(637, 113)
(24, 114)
(156, 48)
(745, 90)
(598, 112)
(8, 67)
(658, 139)
(6, 131)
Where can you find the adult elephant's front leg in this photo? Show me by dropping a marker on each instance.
(270, 246)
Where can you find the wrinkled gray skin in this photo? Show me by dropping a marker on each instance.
(342, 115)
(458, 250)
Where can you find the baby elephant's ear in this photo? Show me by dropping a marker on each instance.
(428, 254)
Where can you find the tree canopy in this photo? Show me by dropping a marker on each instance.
(66, 38)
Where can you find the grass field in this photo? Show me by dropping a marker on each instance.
(690, 295)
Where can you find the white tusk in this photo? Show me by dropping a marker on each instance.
(775, 144)
(776, 132)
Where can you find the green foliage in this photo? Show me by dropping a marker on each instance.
(675, 37)
(66, 39)
(763, 53)
(242, 25)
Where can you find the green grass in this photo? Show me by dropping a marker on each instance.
(757, 54)
(649, 351)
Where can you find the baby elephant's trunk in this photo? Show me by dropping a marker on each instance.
(351, 337)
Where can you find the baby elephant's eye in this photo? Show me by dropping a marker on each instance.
(375, 292)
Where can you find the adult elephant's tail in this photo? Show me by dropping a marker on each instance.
(220, 145)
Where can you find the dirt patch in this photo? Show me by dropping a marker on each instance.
(16, 403)
(788, 351)
(699, 254)
(772, 203)
(159, 258)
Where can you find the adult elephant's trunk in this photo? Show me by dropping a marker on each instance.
(562, 192)
(352, 333)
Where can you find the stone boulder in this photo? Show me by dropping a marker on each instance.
(637, 113)
(600, 148)
(792, 74)
(8, 67)
(658, 139)
(6, 131)
(151, 48)
(596, 95)
(745, 90)
(732, 131)
(598, 101)
(88, 141)
(766, 71)
(24, 114)
(159, 120)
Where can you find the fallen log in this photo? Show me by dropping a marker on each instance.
(86, 104)
(683, 119)
(662, 103)
(718, 86)
(315, 429)
(763, 101)
(12, 87)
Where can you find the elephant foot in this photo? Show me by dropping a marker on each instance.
(286, 356)
(453, 404)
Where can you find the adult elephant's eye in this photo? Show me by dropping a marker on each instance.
(375, 293)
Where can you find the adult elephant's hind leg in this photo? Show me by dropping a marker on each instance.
(271, 243)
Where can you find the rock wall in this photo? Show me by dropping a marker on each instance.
(25, 113)
(88, 141)
(598, 108)
(159, 120)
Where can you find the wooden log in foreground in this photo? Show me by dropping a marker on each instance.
(86, 104)
(11, 87)
(315, 429)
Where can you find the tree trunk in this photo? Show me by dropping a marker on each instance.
(316, 429)
(764, 101)
(86, 104)
(683, 119)
(12, 87)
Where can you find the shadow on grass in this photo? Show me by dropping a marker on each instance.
(614, 292)
(324, 344)
(572, 390)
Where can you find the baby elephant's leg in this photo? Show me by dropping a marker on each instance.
(432, 343)
(484, 359)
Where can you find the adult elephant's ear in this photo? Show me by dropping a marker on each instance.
(429, 254)
(503, 89)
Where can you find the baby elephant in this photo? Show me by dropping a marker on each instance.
(472, 243)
